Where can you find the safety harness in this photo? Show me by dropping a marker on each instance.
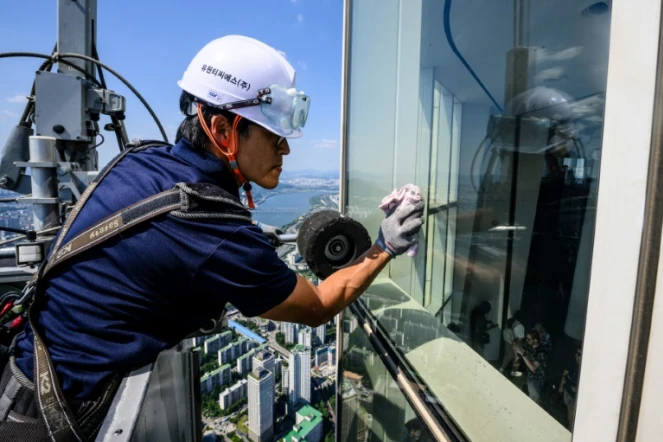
(187, 201)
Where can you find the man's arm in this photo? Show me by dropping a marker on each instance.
(313, 305)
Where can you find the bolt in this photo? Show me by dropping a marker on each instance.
(4, 180)
(58, 129)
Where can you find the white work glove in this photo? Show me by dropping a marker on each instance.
(399, 230)
(272, 233)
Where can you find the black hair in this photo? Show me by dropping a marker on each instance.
(534, 334)
(191, 130)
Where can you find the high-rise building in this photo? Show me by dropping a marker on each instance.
(299, 371)
(198, 341)
(285, 379)
(245, 345)
(278, 362)
(227, 354)
(290, 331)
(233, 394)
(225, 338)
(220, 376)
(264, 359)
(320, 333)
(217, 342)
(331, 356)
(321, 356)
(308, 426)
(349, 416)
(261, 405)
(245, 363)
(305, 337)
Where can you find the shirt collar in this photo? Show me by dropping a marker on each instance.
(208, 164)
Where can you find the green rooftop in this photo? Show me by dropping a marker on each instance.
(227, 347)
(299, 347)
(247, 355)
(313, 418)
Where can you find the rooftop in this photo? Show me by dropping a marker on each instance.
(313, 418)
(244, 356)
(352, 376)
(263, 355)
(260, 374)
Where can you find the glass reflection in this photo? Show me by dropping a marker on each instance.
(372, 406)
(497, 114)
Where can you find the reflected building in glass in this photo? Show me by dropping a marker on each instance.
(496, 113)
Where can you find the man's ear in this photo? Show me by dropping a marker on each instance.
(221, 130)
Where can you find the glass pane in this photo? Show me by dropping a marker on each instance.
(495, 110)
(368, 390)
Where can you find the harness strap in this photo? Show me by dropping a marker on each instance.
(116, 223)
(184, 201)
(9, 396)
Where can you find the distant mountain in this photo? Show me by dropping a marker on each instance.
(310, 173)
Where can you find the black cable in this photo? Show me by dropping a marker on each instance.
(48, 57)
(102, 141)
(123, 80)
(452, 44)
(13, 200)
(31, 235)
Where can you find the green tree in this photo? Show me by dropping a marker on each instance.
(280, 339)
(330, 437)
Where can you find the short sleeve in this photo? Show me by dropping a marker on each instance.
(245, 269)
(519, 331)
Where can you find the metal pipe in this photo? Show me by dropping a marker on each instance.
(288, 237)
(345, 100)
(8, 252)
(44, 182)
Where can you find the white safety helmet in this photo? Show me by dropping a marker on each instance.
(251, 79)
(535, 121)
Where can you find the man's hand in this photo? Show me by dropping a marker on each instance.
(272, 233)
(398, 231)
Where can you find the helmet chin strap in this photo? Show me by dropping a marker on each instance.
(230, 153)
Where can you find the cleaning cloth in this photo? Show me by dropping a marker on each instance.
(408, 194)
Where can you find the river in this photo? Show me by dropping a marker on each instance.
(280, 209)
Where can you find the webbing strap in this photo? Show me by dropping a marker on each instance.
(9, 396)
(59, 420)
(116, 223)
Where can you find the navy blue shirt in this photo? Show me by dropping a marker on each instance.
(115, 307)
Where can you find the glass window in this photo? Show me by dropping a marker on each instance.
(495, 110)
(372, 406)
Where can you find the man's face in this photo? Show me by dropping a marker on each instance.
(260, 156)
(532, 341)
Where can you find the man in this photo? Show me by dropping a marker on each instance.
(513, 335)
(535, 357)
(115, 307)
